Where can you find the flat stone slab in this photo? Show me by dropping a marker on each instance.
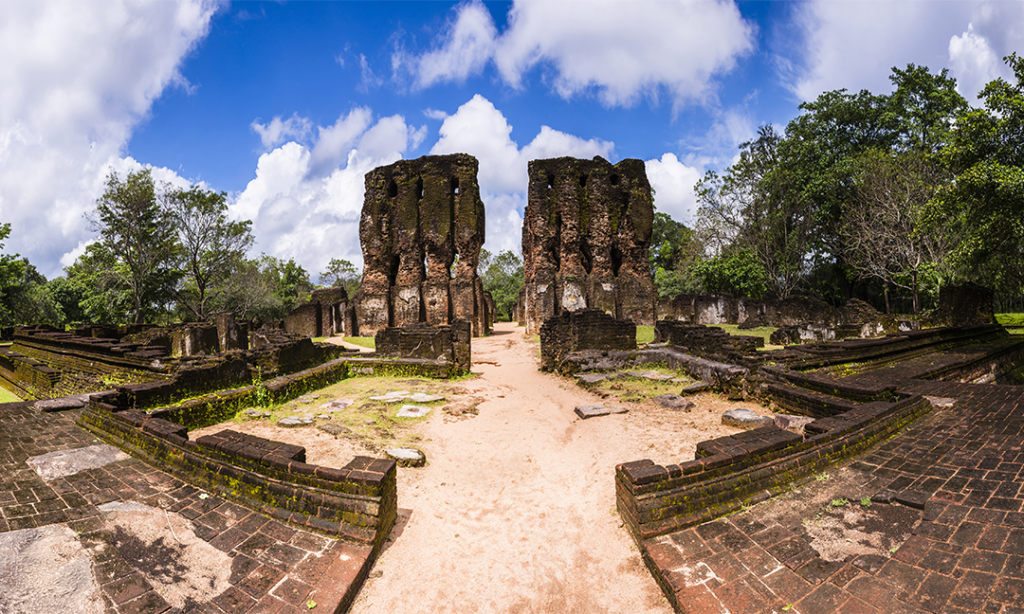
(307, 398)
(407, 457)
(335, 429)
(651, 375)
(256, 414)
(940, 401)
(60, 404)
(743, 418)
(588, 379)
(674, 402)
(392, 397)
(593, 411)
(422, 397)
(363, 370)
(412, 411)
(696, 388)
(335, 405)
(46, 570)
(293, 421)
(793, 424)
(63, 463)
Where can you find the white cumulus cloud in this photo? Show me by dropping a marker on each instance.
(306, 198)
(621, 51)
(77, 78)
(854, 44)
(481, 130)
(673, 183)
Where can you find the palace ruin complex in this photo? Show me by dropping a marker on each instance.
(586, 234)
(419, 218)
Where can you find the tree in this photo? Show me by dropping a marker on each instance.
(983, 208)
(503, 277)
(882, 225)
(737, 272)
(675, 250)
(11, 269)
(211, 246)
(757, 208)
(138, 234)
(95, 273)
(344, 274)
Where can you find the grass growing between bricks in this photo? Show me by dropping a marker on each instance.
(632, 389)
(366, 422)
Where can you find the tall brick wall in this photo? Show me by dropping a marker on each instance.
(586, 234)
(419, 218)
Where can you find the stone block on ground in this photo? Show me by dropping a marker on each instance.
(589, 379)
(294, 421)
(793, 424)
(696, 388)
(407, 457)
(743, 418)
(59, 404)
(412, 411)
(593, 411)
(334, 429)
(256, 414)
(673, 401)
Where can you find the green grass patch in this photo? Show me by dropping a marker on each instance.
(630, 389)
(6, 396)
(765, 332)
(366, 342)
(370, 423)
(644, 334)
(1010, 319)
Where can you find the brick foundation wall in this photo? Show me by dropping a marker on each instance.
(750, 467)
(357, 502)
(422, 341)
(590, 329)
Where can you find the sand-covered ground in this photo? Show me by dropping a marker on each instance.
(515, 510)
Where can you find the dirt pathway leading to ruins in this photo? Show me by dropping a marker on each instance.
(515, 512)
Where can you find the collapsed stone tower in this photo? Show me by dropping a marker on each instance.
(419, 217)
(586, 234)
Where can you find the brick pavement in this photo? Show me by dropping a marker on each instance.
(275, 568)
(961, 465)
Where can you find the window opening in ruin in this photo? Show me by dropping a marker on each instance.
(392, 189)
(455, 185)
(393, 270)
(616, 261)
(419, 189)
(551, 181)
(583, 180)
(614, 180)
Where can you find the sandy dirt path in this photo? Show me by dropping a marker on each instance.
(515, 512)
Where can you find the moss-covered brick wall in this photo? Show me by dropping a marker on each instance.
(747, 468)
(590, 329)
(357, 502)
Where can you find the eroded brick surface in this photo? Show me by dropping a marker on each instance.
(275, 568)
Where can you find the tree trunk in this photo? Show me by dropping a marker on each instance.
(885, 292)
(917, 300)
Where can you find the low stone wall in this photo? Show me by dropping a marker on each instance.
(706, 341)
(97, 355)
(589, 329)
(27, 377)
(357, 502)
(750, 467)
(449, 343)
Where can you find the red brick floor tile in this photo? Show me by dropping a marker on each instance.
(699, 600)
(664, 555)
(983, 560)
(726, 566)
(260, 581)
(787, 585)
(934, 592)
(758, 561)
(1009, 591)
(905, 577)
(856, 606)
(292, 591)
(847, 573)
(872, 590)
(972, 591)
(234, 601)
(739, 596)
(824, 598)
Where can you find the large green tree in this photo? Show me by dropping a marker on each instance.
(757, 208)
(983, 209)
(343, 273)
(137, 234)
(675, 251)
(211, 247)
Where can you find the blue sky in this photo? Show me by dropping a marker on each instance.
(285, 106)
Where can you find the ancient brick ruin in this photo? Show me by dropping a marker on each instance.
(419, 218)
(586, 234)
